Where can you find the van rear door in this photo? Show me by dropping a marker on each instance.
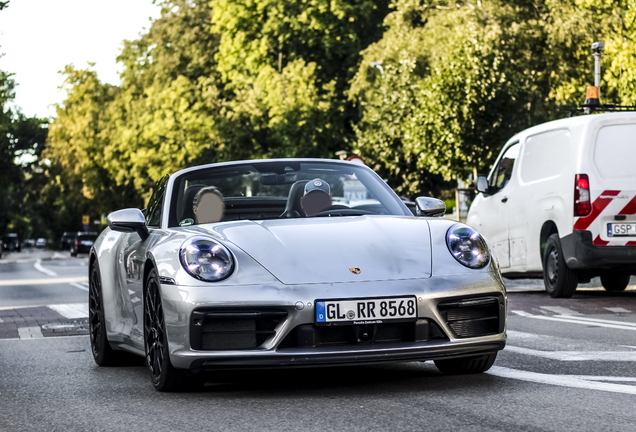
(612, 219)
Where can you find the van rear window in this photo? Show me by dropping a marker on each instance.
(615, 152)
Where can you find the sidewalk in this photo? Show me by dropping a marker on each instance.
(44, 321)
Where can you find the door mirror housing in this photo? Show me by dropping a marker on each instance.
(128, 220)
(431, 207)
(482, 184)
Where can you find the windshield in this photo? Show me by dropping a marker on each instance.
(273, 190)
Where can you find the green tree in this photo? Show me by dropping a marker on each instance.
(286, 67)
(451, 81)
(77, 145)
(164, 116)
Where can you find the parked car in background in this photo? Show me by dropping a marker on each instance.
(82, 242)
(11, 242)
(66, 240)
(560, 203)
(40, 243)
(290, 263)
(29, 243)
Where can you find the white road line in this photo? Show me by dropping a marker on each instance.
(598, 320)
(135, 300)
(38, 267)
(42, 281)
(53, 337)
(618, 310)
(604, 378)
(80, 286)
(1, 320)
(30, 332)
(560, 310)
(71, 311)
(615, 356)
(574, 381)
(581, 321)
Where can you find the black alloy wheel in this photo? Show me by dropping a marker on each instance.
(615, 282)
(103, 354)
(463, 366)
(164, 376)
(559, 280)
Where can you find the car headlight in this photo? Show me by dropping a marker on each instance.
(206, 260)
(467, 246)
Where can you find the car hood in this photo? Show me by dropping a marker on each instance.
(324, 250)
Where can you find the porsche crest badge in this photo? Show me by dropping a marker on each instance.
(355, 270)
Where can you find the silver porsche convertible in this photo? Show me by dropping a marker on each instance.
(290, 263)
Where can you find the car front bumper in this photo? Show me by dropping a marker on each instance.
(180, 304)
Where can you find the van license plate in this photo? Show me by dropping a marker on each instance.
(365, 311)
(621, 229)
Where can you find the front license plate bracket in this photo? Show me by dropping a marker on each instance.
(366, 311)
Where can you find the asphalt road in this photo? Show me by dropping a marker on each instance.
(568, 365)
(36, 277)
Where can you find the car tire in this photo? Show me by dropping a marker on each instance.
(560, 281)
(615, 282)
(463, 366)
(164, 376)
(103, 353)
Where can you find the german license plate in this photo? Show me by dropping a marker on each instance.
(621, 229)
(365, 311)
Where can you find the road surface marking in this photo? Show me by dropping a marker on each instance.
(30, 332)
(622, 356)
(604, 321)
(575, 381)
(618, 310)
(47, 338)
(580, 320)
(80, 286)
(1, 320)
(71, 311)
(560, 310)
(38, 267)
(43, 281)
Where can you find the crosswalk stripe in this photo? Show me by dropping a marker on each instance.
(30, 332)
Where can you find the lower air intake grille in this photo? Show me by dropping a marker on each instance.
(474, 317)
(310, 335)
(233, 329)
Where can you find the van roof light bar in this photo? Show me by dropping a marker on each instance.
(593, 94)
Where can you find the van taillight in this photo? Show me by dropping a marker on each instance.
(582, 204)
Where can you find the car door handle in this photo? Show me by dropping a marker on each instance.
(503, 200)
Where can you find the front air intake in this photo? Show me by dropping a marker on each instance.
(474, 317)
(233, 329)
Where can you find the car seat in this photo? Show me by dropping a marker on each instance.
(188, 198)
(293, 208)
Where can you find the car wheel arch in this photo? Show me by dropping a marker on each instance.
(548, 228)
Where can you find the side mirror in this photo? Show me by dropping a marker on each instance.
(432, 207)
(482, 184)
(128, 220)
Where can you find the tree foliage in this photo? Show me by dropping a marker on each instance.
(287, 65)
(426, 91)
(451, 81)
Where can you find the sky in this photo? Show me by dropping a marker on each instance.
(39, 37)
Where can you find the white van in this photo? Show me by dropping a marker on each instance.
(560, 203)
